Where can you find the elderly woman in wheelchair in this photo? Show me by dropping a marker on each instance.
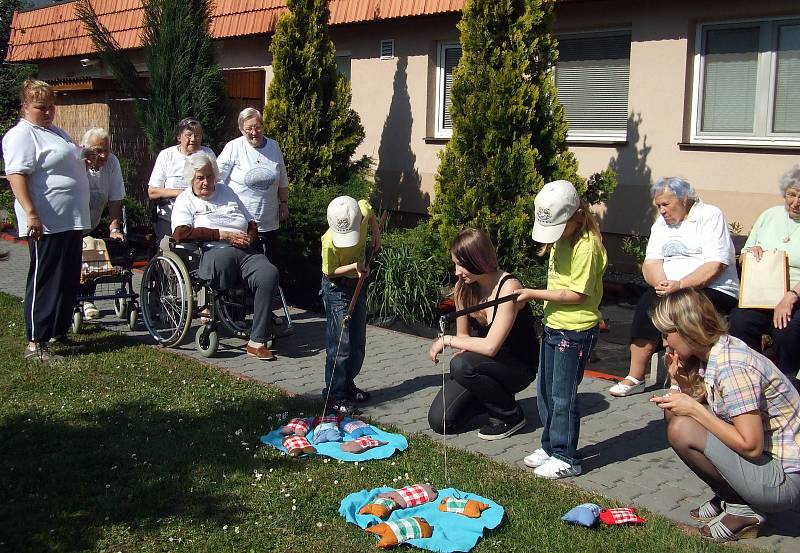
(213, 239)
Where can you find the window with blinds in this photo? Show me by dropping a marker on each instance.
(592, 77)
(448, 57)
(747, 83)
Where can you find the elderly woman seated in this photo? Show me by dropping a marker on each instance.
(776, 229)
(689, 247)
(209, 212)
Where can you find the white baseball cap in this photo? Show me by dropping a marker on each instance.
(555, 203)
(344, 220)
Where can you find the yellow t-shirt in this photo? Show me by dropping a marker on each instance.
(579, 268)
(333, 257)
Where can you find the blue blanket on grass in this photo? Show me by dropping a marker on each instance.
(451, 532)
(395, 442)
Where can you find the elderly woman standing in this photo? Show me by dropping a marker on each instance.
(777, 228)
(746, 443)
(166, 180)
(210, 213)
(252, 166)
(690, 246)
(48, 177)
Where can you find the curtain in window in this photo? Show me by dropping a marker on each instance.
(729, 84)
(451, 57)
(592, 76)
(787, 80)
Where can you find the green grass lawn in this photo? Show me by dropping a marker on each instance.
(124, 447)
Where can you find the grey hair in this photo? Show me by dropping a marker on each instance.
(247, 113)
(677, 185)
(91, 134)
(790, 179)
(195, 163)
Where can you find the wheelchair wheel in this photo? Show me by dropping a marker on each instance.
(77, 321)
(121, 308)
(133, 318)
(206, 341)
(232, 308)
(167, 299)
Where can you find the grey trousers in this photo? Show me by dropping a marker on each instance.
(228, 268)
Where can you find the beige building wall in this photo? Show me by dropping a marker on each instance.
(742, 182)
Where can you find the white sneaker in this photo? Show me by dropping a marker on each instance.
(90, 311)
(536, 459)
(556, 468)
(620, 389)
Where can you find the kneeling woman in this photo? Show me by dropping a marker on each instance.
(210, 213)
(496, 348)
(746, 446)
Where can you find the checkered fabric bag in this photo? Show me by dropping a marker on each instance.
(395, 532)
(621, 515)
(414, 495)
(380, 507)
(335, 419)
(453, 505)
(297, 445)
(367, 442)
(296, 426)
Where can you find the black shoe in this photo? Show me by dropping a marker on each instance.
(357, 395)
(342, 407)
(65, 341)
(497, 430)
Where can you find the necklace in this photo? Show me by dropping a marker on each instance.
(790, 232)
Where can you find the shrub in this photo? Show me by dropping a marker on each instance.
(407, 276)
(635, 246)
(7, 205)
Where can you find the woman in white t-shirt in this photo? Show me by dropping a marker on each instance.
(212, 214)
(166, 180)
(252, 166)
(48, 177)
(690, 246)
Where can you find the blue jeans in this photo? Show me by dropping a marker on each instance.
(563, 358)
(342, 368)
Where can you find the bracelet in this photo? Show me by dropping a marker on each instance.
(115, 229)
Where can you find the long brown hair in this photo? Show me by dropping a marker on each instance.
(692, 315)
(473, 250)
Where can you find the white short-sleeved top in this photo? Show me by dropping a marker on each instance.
(168, 173)
(222, 211)
(700, 238)
(56, 175)
(105, 186)
(255, 174)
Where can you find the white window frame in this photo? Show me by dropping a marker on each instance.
(439, 130)
(610, 137)
(765, 95)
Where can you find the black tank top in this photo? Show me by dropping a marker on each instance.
(521, 341)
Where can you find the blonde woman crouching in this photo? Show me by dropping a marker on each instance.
(745, 444)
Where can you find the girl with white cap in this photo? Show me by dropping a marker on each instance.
(577, 262)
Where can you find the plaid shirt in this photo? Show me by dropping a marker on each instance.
(739, 380)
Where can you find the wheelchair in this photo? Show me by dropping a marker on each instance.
(172, 293)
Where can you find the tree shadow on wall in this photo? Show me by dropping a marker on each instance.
(629, 208)
(399, 181)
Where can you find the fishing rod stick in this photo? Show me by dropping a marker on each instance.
(450, 317)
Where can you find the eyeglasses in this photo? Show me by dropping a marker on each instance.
(791, 195)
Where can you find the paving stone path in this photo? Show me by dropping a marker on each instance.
(626, 456)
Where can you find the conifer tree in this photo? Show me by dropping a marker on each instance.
(184, 78)
(11, 74)
(509, 129)
(308, 110)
